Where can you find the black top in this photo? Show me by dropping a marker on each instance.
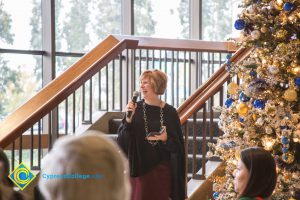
(142, 156)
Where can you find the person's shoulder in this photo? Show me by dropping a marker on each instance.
(170, 108)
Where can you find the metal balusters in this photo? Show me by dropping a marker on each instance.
(204, 143)
(39, 158)
(66, 116)
(120, 82)
(13, 156)
(21, 148)
(172, 78)
(106, 79)
(166, 71)
(113, 85)
(211, 118)
(74, 112)
(194, 162)
(177, 80)
(31, 147)
(91, 101)
(190, 73)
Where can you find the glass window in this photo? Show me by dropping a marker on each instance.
(20, 24)
(218, 18)
(19, 80)
(63, 63)
(167, 19)
(81, 25)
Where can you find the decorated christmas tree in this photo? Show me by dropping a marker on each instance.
(264, 108)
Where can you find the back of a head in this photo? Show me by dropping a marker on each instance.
(73, 159)
(262, 172)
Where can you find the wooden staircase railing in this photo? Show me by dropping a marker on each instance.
(55, 92)
(210, 87)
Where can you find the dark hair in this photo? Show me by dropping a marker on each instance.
(4, 159)
(262, 172)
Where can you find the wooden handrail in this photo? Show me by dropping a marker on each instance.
(61, 87)
(181, 44)
(209, 88)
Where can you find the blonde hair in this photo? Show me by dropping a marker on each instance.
(88, 154)
(158, 80)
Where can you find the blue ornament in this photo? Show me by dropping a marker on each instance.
(288, 6)
(228, 102)
(297, 81)
(242, 119)
(228, 62)
(258, 103)
(253, 73)
(239, 24)
(216, 195)
(243, 97)
(228, 56)
(284, 140)
(285, 150)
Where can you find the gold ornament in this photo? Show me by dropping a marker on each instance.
(232, 88)
(287, 176)
(282, 48)
(288, 158)
(268, 143)
(296, 70)
(280, 34)
(296, 136)
(290, 95)
(237, 154)
(242, 109)
(268, 130)
(240, 75)
(283, 19)
(264, 29)
(292, 19)
(254, 117)
(278, 6)
(279, 2)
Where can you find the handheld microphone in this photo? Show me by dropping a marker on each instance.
(133, 99)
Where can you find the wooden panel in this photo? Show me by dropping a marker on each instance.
(26, 142)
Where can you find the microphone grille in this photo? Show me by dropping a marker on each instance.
(136, 93)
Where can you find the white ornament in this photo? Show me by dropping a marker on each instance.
(273, 69)
(255, 34)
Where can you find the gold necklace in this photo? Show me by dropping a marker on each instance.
(153, 142)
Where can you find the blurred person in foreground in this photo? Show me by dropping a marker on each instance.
(85, 167)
